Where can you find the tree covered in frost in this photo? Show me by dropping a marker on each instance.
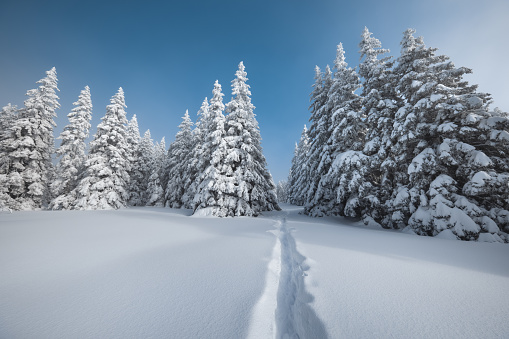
(155, 193)
(179, 157)
(236, 182)
(160, 154)
(133, 139)
(380, 103)
(72, 152)
(319, 134)
(434, 158)
(28, 145)
(215, 183)
(199, 159)
(7, 116)
(298, 172)
(254, 190)
(106, 179)
(282, 191)
(347, 129)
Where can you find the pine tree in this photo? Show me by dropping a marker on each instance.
(72, 152)
(319, 134)
(297, 178)
(28, 146)
(236, 182)
(198, 159)
(133, 139)
(447, 147)
(254, 188)
(215, 182)
(346, 131)
(179, 156)
(380, 103)
(155, 192)
(282, 191)
(105, 183)
(8, 114)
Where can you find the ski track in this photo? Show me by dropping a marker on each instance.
(283, 311)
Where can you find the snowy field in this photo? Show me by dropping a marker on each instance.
(157, 273)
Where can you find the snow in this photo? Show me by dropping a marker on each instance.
(155, 272)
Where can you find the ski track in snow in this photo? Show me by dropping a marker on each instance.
(283, 311)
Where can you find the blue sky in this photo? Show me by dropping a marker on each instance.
(167, 54)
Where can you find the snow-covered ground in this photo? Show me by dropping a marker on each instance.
(157, 273)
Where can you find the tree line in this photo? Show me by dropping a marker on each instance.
(403, 143)
(216, 168)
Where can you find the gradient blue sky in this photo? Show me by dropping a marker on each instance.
(167, 54)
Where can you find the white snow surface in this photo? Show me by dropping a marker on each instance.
(157, 273)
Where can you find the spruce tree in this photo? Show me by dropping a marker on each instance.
(380, 103)
(155, 192)
(447, 148)
(179, 157)
(215, 182)
(347, 131)
(319, 134)
(133, 139)
(72, 152)
(199, 160)
(106, 179)
(28, 146)
(297, 178)
(254, 188)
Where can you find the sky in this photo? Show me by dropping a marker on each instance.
(166, 55)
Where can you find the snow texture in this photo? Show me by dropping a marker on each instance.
(155, 272)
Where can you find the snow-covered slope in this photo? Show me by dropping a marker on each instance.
(154, 272)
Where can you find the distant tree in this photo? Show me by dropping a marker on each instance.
(179, 157)
(282, 191)
(28, 146)
(72, 152)
(105, 183)
(155, 193)
(297, 179)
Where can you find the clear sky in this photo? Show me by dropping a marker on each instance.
(167, 54)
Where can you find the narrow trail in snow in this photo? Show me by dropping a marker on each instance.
(294, 318)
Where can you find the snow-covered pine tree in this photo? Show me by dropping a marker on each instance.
(335, 194)
(160, 158)
(179, 156)
(319, 135)
(145, 168)
(106, 179)
(297, 178)
(282, 191)
(155, 193)
(7, 116)
(72, 152)
(198, 161)
(28, 146)
(380, 104)
(215, 184)
(254, 188)
(133, 139)
(444, 136)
